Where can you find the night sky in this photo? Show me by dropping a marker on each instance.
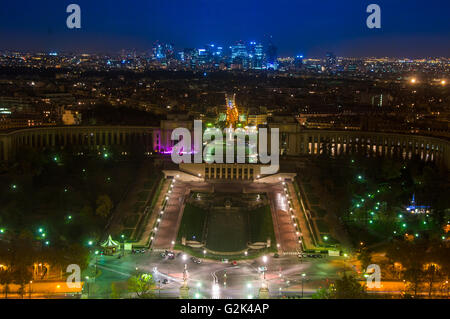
(410, 28)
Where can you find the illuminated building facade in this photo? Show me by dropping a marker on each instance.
(232, 110)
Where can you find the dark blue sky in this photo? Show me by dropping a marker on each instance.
(410, 28)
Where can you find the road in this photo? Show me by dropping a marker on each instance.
(241, 281)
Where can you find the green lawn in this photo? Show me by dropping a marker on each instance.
(227, 231)
(192, 223)
(320, 212)
(261, 225)
(323, 227)
(142, 195)
(131, 221)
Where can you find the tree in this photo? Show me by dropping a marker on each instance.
(21, 276)
(414, 276)
(104, 206)
(6, 279)
(365, 258)
(141, 284)
(425, 261)
(322, 293)
(347, 287)
(116, 291)
(17, 257)
(432, 274)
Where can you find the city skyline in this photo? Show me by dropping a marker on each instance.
(407, 31)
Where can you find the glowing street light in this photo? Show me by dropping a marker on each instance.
(303, 279)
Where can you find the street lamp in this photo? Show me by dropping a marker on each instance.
(303, 280)
(264, 269)
(87, 282)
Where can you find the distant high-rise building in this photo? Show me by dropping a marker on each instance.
(169, 51)
(158, 51)
(202, 56)
(331, 59)
(239, 55)
(190, 57)
(298, 61)
(163, 51)
(272, 56)
(256, 55)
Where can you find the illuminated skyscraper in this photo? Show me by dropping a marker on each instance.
(331, 59)
(272, 56)
(298, 61)
(239, 55)
(256, 55)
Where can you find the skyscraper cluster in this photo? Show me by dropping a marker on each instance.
(241, 55)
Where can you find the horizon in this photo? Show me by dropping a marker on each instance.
(410, 30)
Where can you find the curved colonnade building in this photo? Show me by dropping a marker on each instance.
(294, 141)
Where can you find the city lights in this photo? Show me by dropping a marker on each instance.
(333, 172)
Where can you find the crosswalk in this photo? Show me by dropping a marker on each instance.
(290, 253)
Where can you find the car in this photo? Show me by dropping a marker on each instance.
(234, 262)
(142, 251)
(171, 256)
(165, 281)
(225, 260)
(276, 255)
(196, 260)
(163, 255)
